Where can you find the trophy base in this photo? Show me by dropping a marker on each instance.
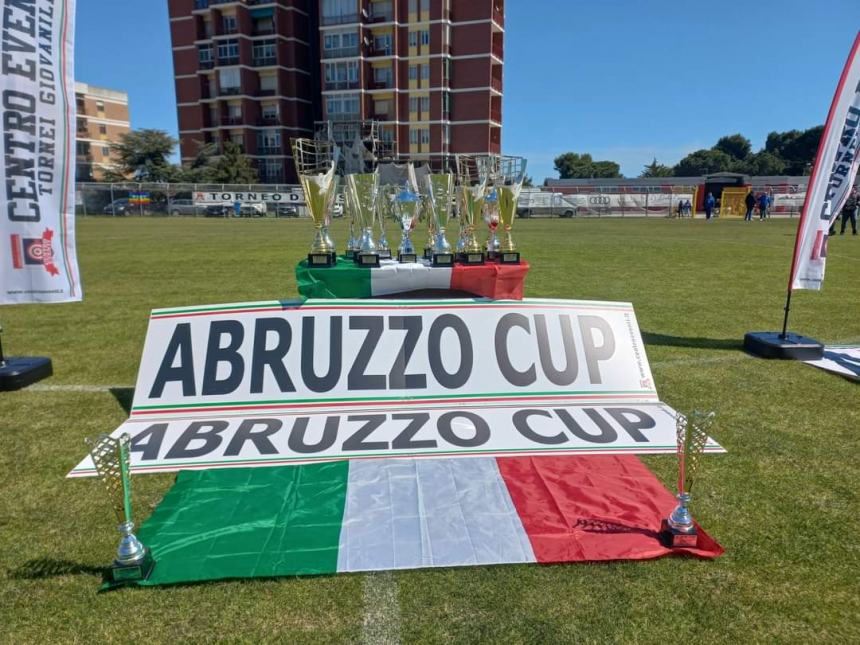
(20, 371)
(367, 260)
(385, 254)
(471, 258)
(673, 538)
(350, 254)
(442, 260)
(321, 260)
(772, 344)
(129, 573)
(509, 257)
(407, 258)
(492, 256)
(428, 254)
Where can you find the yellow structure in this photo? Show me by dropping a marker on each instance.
(732, 202)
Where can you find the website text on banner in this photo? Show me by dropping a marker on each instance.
(832, 177)
(273, 382)
(39, 262)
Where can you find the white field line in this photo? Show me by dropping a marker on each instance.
(381, 623)
(47, 387)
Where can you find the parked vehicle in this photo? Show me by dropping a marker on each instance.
(286, 210)
(218, 210)
(183, 207)
(117, 207)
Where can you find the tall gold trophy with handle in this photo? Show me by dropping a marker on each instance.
(472, 177)
(512, 173)
(316, 165)
(112, 461)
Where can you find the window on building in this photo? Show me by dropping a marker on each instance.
(446, 105)
(269, 112)
(82, 148)
(425, 5)
(269, 138)
(446, 71)
(382, 43)
(234, 110)
(228, 49)
(237, 139)
(102, 129)
(205, 54)
(446, 135)
(425, 71)
(413, 72)
(413, 103)
(81, 103)
(425, 36)
(413, 39)
(229, 78)
(270, 168)
(100, 106)
(264, 50)
(413, 135)
(342, 104)
(268, 83)
(341, 74)
(228, 24)
(208, 32)
(82, 125)
(105, 151)
(382, 107)
(425, 135)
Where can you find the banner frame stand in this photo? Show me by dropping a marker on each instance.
(17, 372)
(781, 345)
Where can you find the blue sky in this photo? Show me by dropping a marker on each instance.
(621, 79)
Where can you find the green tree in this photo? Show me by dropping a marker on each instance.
(655, 169)
(233, 167)
(199, 170)
(734, 145)
(572, 165)
(764, 163)
(704, 162)
(143, 155)
(797, 148)
(528, 182)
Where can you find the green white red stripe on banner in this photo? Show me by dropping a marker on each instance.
(382, 514)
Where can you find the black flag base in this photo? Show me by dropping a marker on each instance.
(20, 371)
(773, 344)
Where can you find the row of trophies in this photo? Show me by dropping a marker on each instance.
(485, 187)
(134, 561)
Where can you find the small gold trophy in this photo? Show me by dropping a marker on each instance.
(316, 162)
(512, 173)
(472, 176)
(678, 530)
(440, 190)
(363, 190)
(111, 458)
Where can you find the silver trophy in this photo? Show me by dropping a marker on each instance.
(679, 530)
(350, 211)
(440, 190)
(406, 209)
(384, 212)
(363, 190)
(491, 218)
(509, 184)
(111, 458)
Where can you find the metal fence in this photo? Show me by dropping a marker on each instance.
(608, 201)
(189, 200)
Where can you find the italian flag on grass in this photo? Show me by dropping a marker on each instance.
(347, 280)
(381, 514)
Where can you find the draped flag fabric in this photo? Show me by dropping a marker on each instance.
(38, 262)
(380, 514)
(346, 280)
(832, 178)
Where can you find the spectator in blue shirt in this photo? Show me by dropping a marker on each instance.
(709, 205)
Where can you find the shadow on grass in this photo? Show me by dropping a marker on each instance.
(123, 396)
(605, 526)
(49, 568)
(697, 343)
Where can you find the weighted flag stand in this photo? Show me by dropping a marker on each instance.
(785, 345)
(17, 372)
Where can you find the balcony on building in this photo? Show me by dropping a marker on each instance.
(341, 85)
(499, 12)
(339, 19)
(235, 119)
(341, 52)
(229, 60)
(207, 64)
(344, 116)
(496, 83)
(268, 150)
(380, 51)
(269, 119)
(264, 27)
(380, 12)
(264, 61)
(233, 90)
(381, 83)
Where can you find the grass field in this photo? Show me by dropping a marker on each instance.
(784, 501)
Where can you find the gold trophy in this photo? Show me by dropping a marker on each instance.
(316, 162)
(679, 530)
(512, 173)
(111, 458)
(440, 190)
(472, 176)
(363, 191)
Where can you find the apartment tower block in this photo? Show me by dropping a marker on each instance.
(410, 79)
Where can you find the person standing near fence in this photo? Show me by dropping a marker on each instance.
(849, 212)
(749, 200)
(762, 207)
(709, 205)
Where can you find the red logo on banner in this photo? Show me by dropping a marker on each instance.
(33, 252)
